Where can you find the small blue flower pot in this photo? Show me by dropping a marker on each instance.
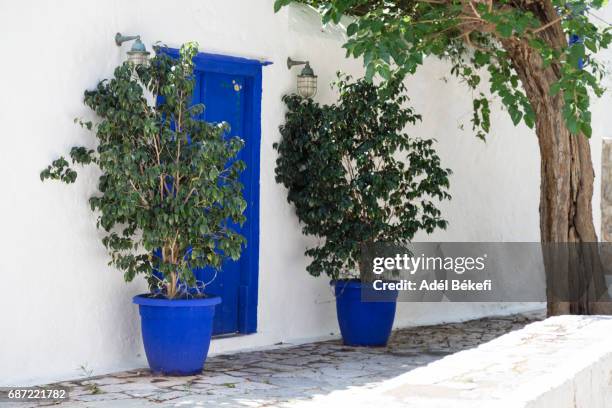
(364, 323)
(176, 333)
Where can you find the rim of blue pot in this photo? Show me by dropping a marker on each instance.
(347, 283)
(145, 299)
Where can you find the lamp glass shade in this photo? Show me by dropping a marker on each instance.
(307, 85)
(138, 57)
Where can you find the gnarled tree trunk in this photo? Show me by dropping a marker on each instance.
(575, 280)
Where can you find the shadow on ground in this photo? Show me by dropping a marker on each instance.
(290, 374)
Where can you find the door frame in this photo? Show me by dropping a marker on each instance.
(251, 70)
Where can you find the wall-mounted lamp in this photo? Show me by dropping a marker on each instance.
(138, 54)
(306, 81)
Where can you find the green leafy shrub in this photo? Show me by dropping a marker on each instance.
(354, 176)
(169, 184)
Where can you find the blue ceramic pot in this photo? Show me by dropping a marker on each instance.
(364, 323)
(176, 333)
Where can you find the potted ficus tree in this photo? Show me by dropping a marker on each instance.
(169, 192)
(356, 178)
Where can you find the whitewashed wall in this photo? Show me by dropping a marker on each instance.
(61, 305)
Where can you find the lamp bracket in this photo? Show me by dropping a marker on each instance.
(292, 63)
(120, 39)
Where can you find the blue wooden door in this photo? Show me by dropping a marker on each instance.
(223, 95)
(230, 89)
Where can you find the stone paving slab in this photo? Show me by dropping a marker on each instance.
(290, 374)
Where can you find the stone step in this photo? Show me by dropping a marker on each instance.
(561, 362)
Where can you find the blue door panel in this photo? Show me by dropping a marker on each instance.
(223, 98)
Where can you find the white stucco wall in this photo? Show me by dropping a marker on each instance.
(62, 306)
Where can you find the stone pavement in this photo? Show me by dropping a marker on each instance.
(289, 375)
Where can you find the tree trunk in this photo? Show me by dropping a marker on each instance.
(575, 280)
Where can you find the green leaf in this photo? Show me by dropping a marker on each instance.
(586, 129)
(572, 124)
(504, 29)
(278, 4)
(555, 88)
(352, 29)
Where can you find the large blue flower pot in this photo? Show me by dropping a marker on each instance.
(362, 323)
(176, 333)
